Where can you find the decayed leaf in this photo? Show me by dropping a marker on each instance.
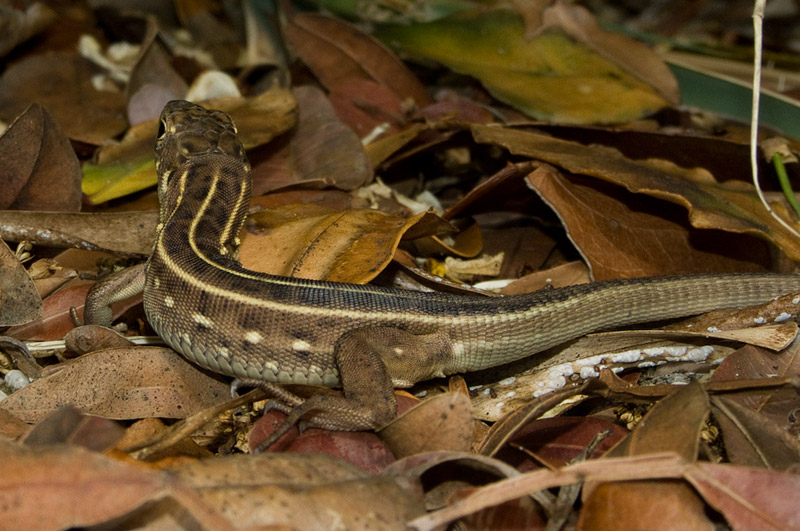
(19, 300)
(308, 241)
(728, 206)
(127, 383)
(549, 77)
(128, 167)
(84, 113)
(40, 166)
(123, 232)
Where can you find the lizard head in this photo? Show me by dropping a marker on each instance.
(189, 132)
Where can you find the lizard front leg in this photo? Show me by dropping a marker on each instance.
(108, 290)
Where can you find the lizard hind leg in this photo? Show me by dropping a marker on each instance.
(371, 362)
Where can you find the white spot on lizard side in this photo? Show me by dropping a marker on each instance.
(300, 345)
(252, 336)
(202, 320)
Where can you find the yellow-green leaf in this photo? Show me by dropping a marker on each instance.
(549, 77)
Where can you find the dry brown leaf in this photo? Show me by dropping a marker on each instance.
(19, 26)
(84, 113)
(19, 300)
(321, 151)
(304, 491)
(309, 241)
(626, 469)
(753, 439)
(153, 81)
(126, 383)
(122, 232)
(337, 53)
(728, 206)
(559, 441)
(672, 425)
(440, 423)
(644, 505)
(11, 428)
(41, 171)
(560, 276)
(749, 498)
(63, 478)
(90, 338)
(68, 425)
(54, 320)
(622, 235)
(780, 405)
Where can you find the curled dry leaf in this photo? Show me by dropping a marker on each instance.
(728, 206)
(38, 160)
(751, 363)
(68, 425)
(672, 425)
(125, 383)
(642, 505)
(114, 487)
(752, 438)
(621, 235)
(19, 300)
(304, 491)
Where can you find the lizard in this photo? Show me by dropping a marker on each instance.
(366, 339)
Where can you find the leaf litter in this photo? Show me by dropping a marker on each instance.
(524, 132)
